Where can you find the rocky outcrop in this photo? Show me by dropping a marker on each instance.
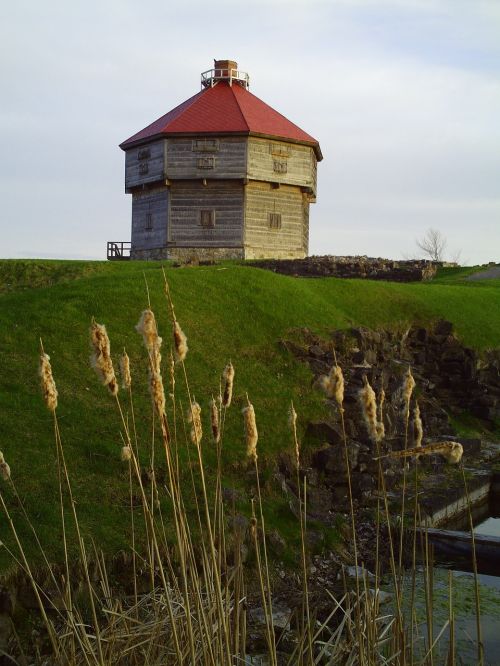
(352, 267)
(450, 378)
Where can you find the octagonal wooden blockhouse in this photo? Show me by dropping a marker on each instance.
(222, 175)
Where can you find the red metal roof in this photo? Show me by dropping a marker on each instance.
(224, 109)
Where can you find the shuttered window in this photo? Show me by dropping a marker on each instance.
(149, 221)
(275, 220)
(280, 166)
(207, 219)
(206, 162)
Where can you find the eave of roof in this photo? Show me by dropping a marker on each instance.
(223, 110)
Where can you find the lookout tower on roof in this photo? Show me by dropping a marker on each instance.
(222, 175)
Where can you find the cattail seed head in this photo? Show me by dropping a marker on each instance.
(4, 468)
(292, 419)
(157, 392)
(253, 527)
(194, 417)
(125, 370)
(171, 370)
(369, 409)
(407, 390)
(214, 420)
(380, 420)
(180, 342)
(101, 358)
(333, 385)
(418, 430)
(251, 434)
(126, 453)
(148, 329)
(48, 384)
(228, 376)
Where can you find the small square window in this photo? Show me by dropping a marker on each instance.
(143, 168)
(280, 166)
(279, 149)
(207, 219)
(275, 220)
(206, 162)
(149, 222)
(206, 145)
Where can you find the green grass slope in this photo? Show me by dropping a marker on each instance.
(227, 312)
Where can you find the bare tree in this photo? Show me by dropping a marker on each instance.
(433, 244)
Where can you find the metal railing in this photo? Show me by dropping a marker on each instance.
(118, 250)
(211, 76)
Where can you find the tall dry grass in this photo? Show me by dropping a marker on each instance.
(195, 610)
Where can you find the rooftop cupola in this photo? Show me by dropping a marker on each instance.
(224, 70)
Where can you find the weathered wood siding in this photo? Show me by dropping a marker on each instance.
(149, 218)
(223, 157)
(297, 163)
(188, 199)
(262, 241)
(145, 164)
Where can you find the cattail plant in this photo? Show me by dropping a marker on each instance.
(4, 468)
(194, 417)
(101, 358)
(125, 370)
(369, 409)
(418, 431)
(49, 389)
(214, 421)
(333, 385)
(126, 453)
(228, 376)
(380, 418)
(180, 342)
(148, 329)
(251, 434)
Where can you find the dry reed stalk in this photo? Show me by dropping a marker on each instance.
(47, 380)
(452, 452)
(194, 417)
(214, 420)
(228, 376)
(125, 370)
(171, 372)
(302, 519)
(101, 358)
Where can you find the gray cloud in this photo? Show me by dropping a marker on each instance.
(403, 96)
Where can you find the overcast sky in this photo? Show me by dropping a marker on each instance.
(403, 95)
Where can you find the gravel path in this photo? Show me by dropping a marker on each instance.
(488, 274)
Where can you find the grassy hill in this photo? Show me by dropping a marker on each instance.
(227, 312)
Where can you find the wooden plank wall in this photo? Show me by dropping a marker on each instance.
(229, 158)
(260, 240)
(189, 198)
(153, 202)
(142, 170)
(300, 162)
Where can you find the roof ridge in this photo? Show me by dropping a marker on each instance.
(239, 107)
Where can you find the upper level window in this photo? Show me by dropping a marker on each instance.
(207, 219)
(280, 166)
(206, 145)
(206, 162)
(275, 220)
(144, 154)
(143, 168)
(279, 149)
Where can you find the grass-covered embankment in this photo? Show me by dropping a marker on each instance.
(228, 312)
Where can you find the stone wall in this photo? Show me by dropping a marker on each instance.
(188, 255)
(352, 267)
